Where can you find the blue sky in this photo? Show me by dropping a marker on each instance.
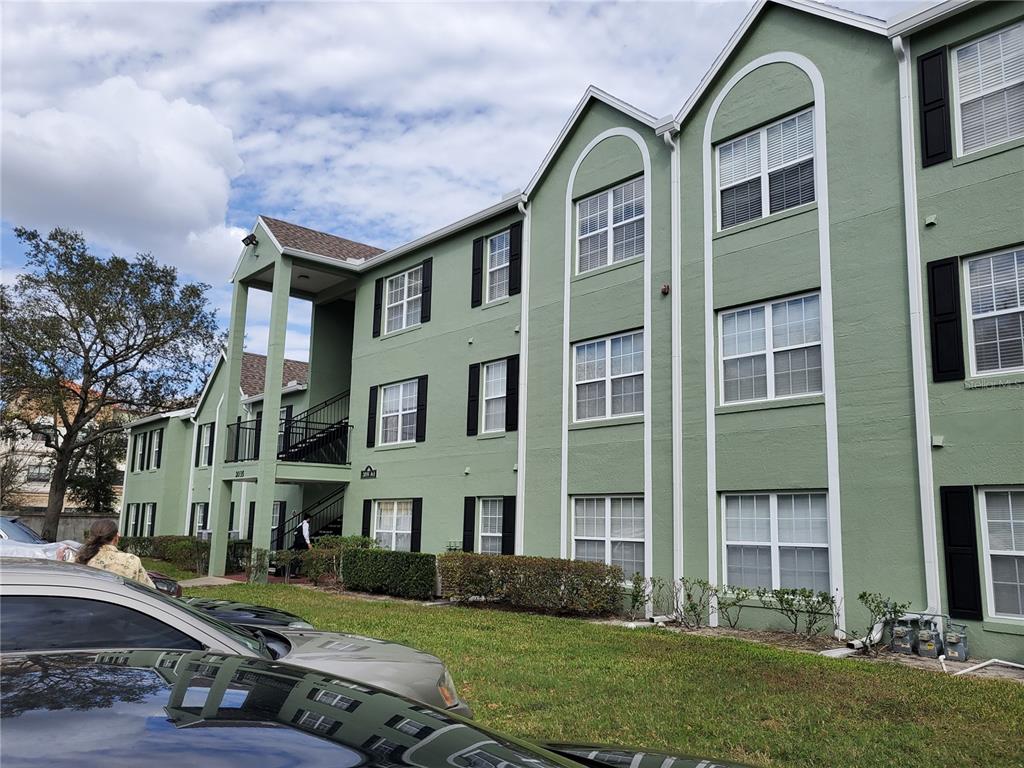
(167, 127)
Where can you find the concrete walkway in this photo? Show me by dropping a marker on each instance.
(206, 581)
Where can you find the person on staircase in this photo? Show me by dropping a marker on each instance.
(301, 543)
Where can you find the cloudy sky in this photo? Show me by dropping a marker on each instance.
(167, 127)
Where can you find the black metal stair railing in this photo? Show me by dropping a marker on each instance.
(243, 441)
(322, 513)
(318, 435)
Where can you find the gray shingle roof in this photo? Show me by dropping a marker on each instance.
(254, 373)
(310, 240)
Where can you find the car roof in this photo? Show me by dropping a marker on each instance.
(28, 570)
(232, 708)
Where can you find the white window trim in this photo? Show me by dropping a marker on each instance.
(490, 271)
(130, 518)
(394, 530)
(607, 538)
(773, 519)
(400, 413)
(484, 398)
(762, 133)
(971, 317)
(148, 516)
(769, 351)
(140, 452)
(206, 437)
(955, 74)
(480, 523)
(156, 448)
(990, 598)
(607, 379)
(610, 227)
(404, 301)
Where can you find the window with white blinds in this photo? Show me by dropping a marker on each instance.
(988, 75)
(1002, 515)
(766, 171)
(609, 377)
(995, 290)
(776, 540)
(771, 351)
(610, 530)
(603, 239)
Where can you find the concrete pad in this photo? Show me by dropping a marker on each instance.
(207, 581)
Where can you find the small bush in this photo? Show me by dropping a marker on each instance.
(402, 574)
(548, 585)
(187, 553)
(319, 564)
(343, 542)
(239, 551)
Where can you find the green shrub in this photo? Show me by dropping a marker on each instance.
(187, 553)
(548, 585)
(331, 541)
(319, 564)
(259, 563)
(239, 551)
(402, 574)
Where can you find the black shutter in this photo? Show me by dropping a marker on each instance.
(933, 108)
(515, 258)
(192, 520)
(152, 522)
(963, 583)
(473, 401)
(209, 448)
(944, 320)
(512, 393)
(147, 442)
(199, 442)
(371, 419)
(135, 451)
(159, 447)
(508, 526)
(367, 513)
(468, 523)
(477, 291)
(378, 300)
(421, 409)
(417, 524)
(252, 518)
(427, 278)
(231, 516)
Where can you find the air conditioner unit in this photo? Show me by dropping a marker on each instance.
(234, 535)
(204, 535)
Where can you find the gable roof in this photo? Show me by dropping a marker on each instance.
(290, 236)
(254, 373)
(831, 12)
(593, 93)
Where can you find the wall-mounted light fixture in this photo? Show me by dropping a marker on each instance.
(249, 240)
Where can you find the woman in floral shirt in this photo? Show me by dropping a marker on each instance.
(100, 551)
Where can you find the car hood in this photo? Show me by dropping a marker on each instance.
(396, 667)
(244, 613)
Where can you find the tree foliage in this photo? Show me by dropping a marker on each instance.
(87, 338)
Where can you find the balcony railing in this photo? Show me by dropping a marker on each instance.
(243, 441)
(319, 435)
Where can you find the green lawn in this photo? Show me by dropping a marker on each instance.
(562, 679)
(167, 569)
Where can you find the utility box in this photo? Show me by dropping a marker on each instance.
(955, 641)
(929, 642)
(902, 637)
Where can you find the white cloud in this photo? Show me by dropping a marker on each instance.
(129, 167)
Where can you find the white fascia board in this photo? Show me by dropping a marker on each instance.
(592, 92)
(920, 18)
(832, 13)
(284, 391)
(181, 412)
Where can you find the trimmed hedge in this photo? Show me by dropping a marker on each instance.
(186, 552)
(401, 574)
(544, 584)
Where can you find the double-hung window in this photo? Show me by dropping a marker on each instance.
(398, 413)
(1002, 515)
(771, 351)
(148, 519)
(393, 525)
(491, 516)
(609, 377)
(494, 395)
(157, 448)
(402, 296)
(776, 540)
(132, 521)
(988, 80)
(610, 530)
(140, 452)
(603, 239)
(497, 265)
(995, 289)
(766, 171)
(205, 444)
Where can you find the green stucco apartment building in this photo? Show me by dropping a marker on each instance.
(774, 339)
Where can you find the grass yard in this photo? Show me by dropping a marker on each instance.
(167, 569)
(562, 679)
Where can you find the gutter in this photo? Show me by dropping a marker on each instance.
(922, 417)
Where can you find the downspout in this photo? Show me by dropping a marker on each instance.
(922, 418)
(671, 139)
(524, 355)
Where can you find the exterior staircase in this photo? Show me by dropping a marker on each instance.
(325, 519)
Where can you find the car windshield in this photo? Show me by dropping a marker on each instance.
(17, 531)
(243, 636)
